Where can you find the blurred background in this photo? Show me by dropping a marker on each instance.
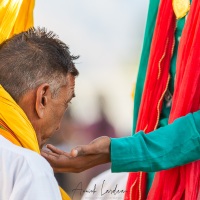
(108, 36)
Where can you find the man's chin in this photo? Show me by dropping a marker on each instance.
(42, 144)
(43, 140)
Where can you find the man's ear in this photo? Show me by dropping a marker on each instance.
(43, 97)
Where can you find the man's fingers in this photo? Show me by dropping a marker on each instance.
(46, 153)
(55, 159)
(74, 153)
(81, 151)
(56, 150)
(98, 146)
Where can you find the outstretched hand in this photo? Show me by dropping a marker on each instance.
(81, 157)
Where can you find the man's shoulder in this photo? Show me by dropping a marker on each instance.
(25, 174)
(23, 158)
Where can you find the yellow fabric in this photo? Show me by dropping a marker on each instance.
(16, 120)
(15, 16)
(181, 8)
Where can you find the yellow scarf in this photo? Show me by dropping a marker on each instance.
(15, 16)
(18, 128)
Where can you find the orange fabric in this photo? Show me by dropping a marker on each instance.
(9, 137)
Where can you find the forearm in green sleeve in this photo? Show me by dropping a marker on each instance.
(173, 145)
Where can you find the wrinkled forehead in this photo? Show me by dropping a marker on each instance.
(70, 80)
(70, 85)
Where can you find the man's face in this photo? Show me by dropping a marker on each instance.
(55, 110)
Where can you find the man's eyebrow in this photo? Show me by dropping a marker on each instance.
(73, 95)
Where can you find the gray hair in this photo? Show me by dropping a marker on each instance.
(34, 57)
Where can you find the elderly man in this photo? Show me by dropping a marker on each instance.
(166, 113)
(37, 77)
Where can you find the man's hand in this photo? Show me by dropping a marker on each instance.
(81, 157)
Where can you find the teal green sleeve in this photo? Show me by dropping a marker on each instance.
(173, 145)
